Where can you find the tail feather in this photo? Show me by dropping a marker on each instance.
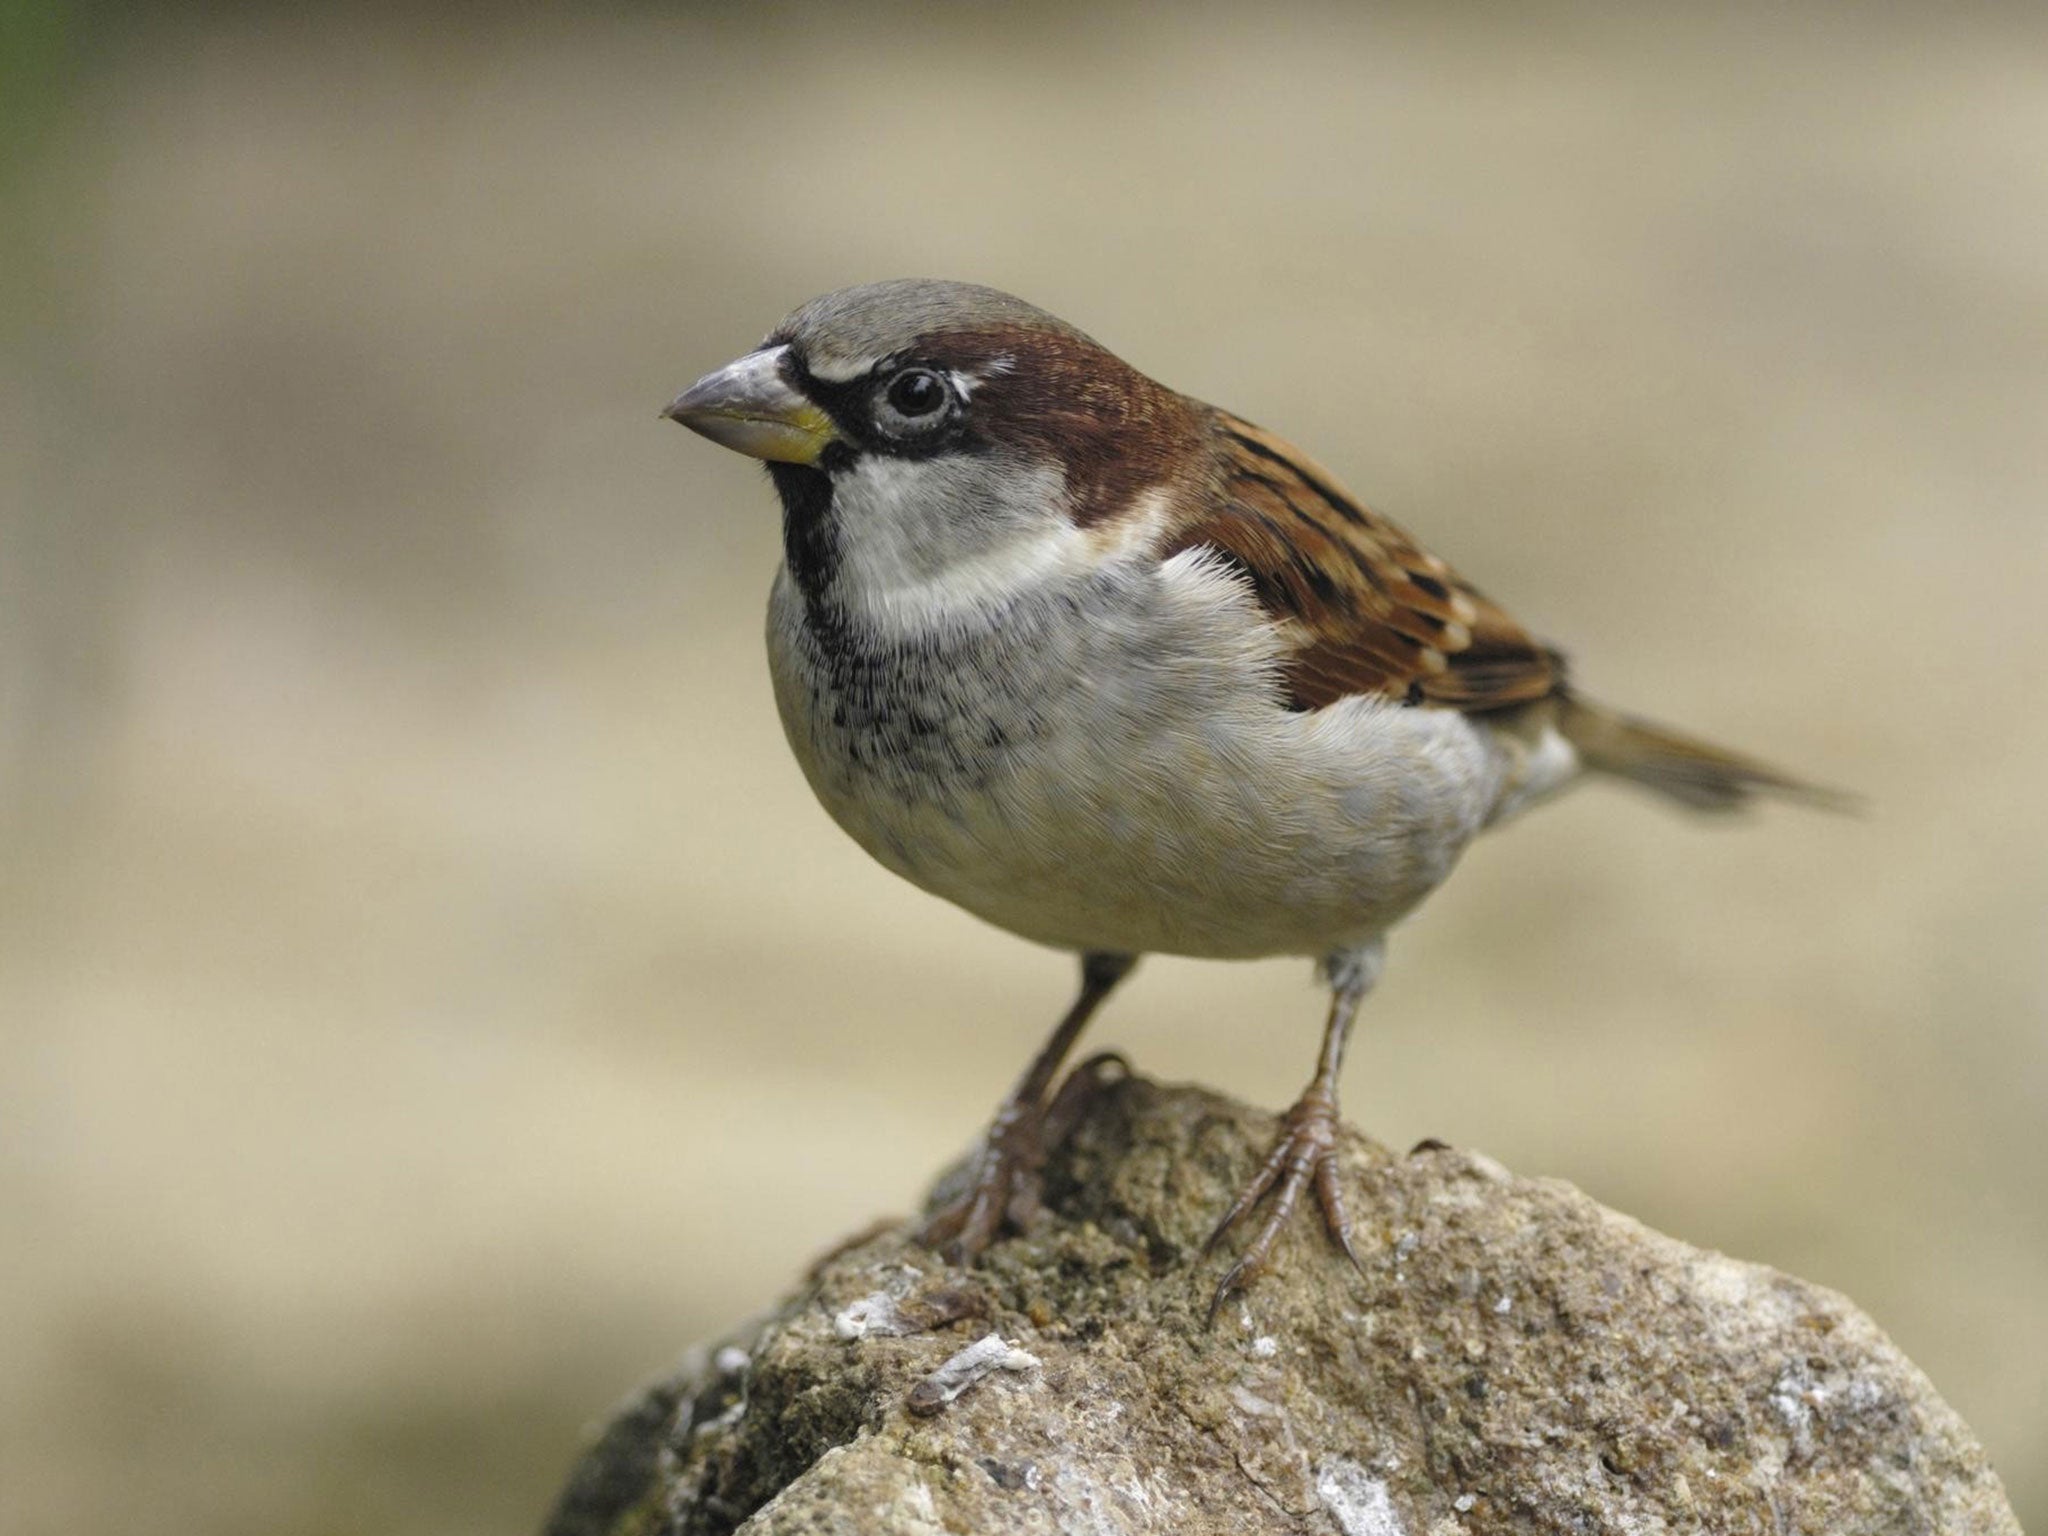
(1682, 767)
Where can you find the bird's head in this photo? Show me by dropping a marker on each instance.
(935, 443)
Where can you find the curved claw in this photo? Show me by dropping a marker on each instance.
(1335, 1220)
(1253, 1193)
(1233, 1279)
(1304, 1157)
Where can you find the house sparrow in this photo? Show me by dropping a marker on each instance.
(1121, 672)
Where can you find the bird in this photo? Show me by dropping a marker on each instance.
(1124, 674)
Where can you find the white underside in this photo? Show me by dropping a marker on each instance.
(1130, 780)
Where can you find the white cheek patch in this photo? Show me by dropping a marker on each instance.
(939, 542)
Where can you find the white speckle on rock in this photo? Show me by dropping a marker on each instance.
(1792, 1396)
(916, 1512)
(1255, 1405)
(1265, 1346)
(963, 1370)
(1464, 1502)
(1504, 1305)
(1357, 1500)
(734, 1412)
(730, 1361)
(1728, 1283)
(876, 1315)
(1861, 1395)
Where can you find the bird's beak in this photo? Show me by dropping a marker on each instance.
(749, 407)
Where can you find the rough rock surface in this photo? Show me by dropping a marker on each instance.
(1513, 1358)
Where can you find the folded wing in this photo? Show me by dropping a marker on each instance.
(1367, 609)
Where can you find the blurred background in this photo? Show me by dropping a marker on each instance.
(429, 997)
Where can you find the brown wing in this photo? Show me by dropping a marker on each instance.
(1369, 610)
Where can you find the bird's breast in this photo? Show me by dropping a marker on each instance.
(1107, 764)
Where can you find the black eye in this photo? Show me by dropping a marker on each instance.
(916, 392)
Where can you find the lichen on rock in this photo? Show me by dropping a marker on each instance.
(1514, 1357)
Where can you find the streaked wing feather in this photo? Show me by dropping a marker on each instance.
(1368, 609)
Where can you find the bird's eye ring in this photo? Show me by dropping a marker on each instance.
(916, 392)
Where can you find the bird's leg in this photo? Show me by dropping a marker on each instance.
(1305, 1154)
(1004, 1184)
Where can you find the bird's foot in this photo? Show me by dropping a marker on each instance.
(1304, 1155)
(1003, 1185)
(1003, 1188)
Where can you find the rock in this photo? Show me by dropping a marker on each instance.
(1514, 1357)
